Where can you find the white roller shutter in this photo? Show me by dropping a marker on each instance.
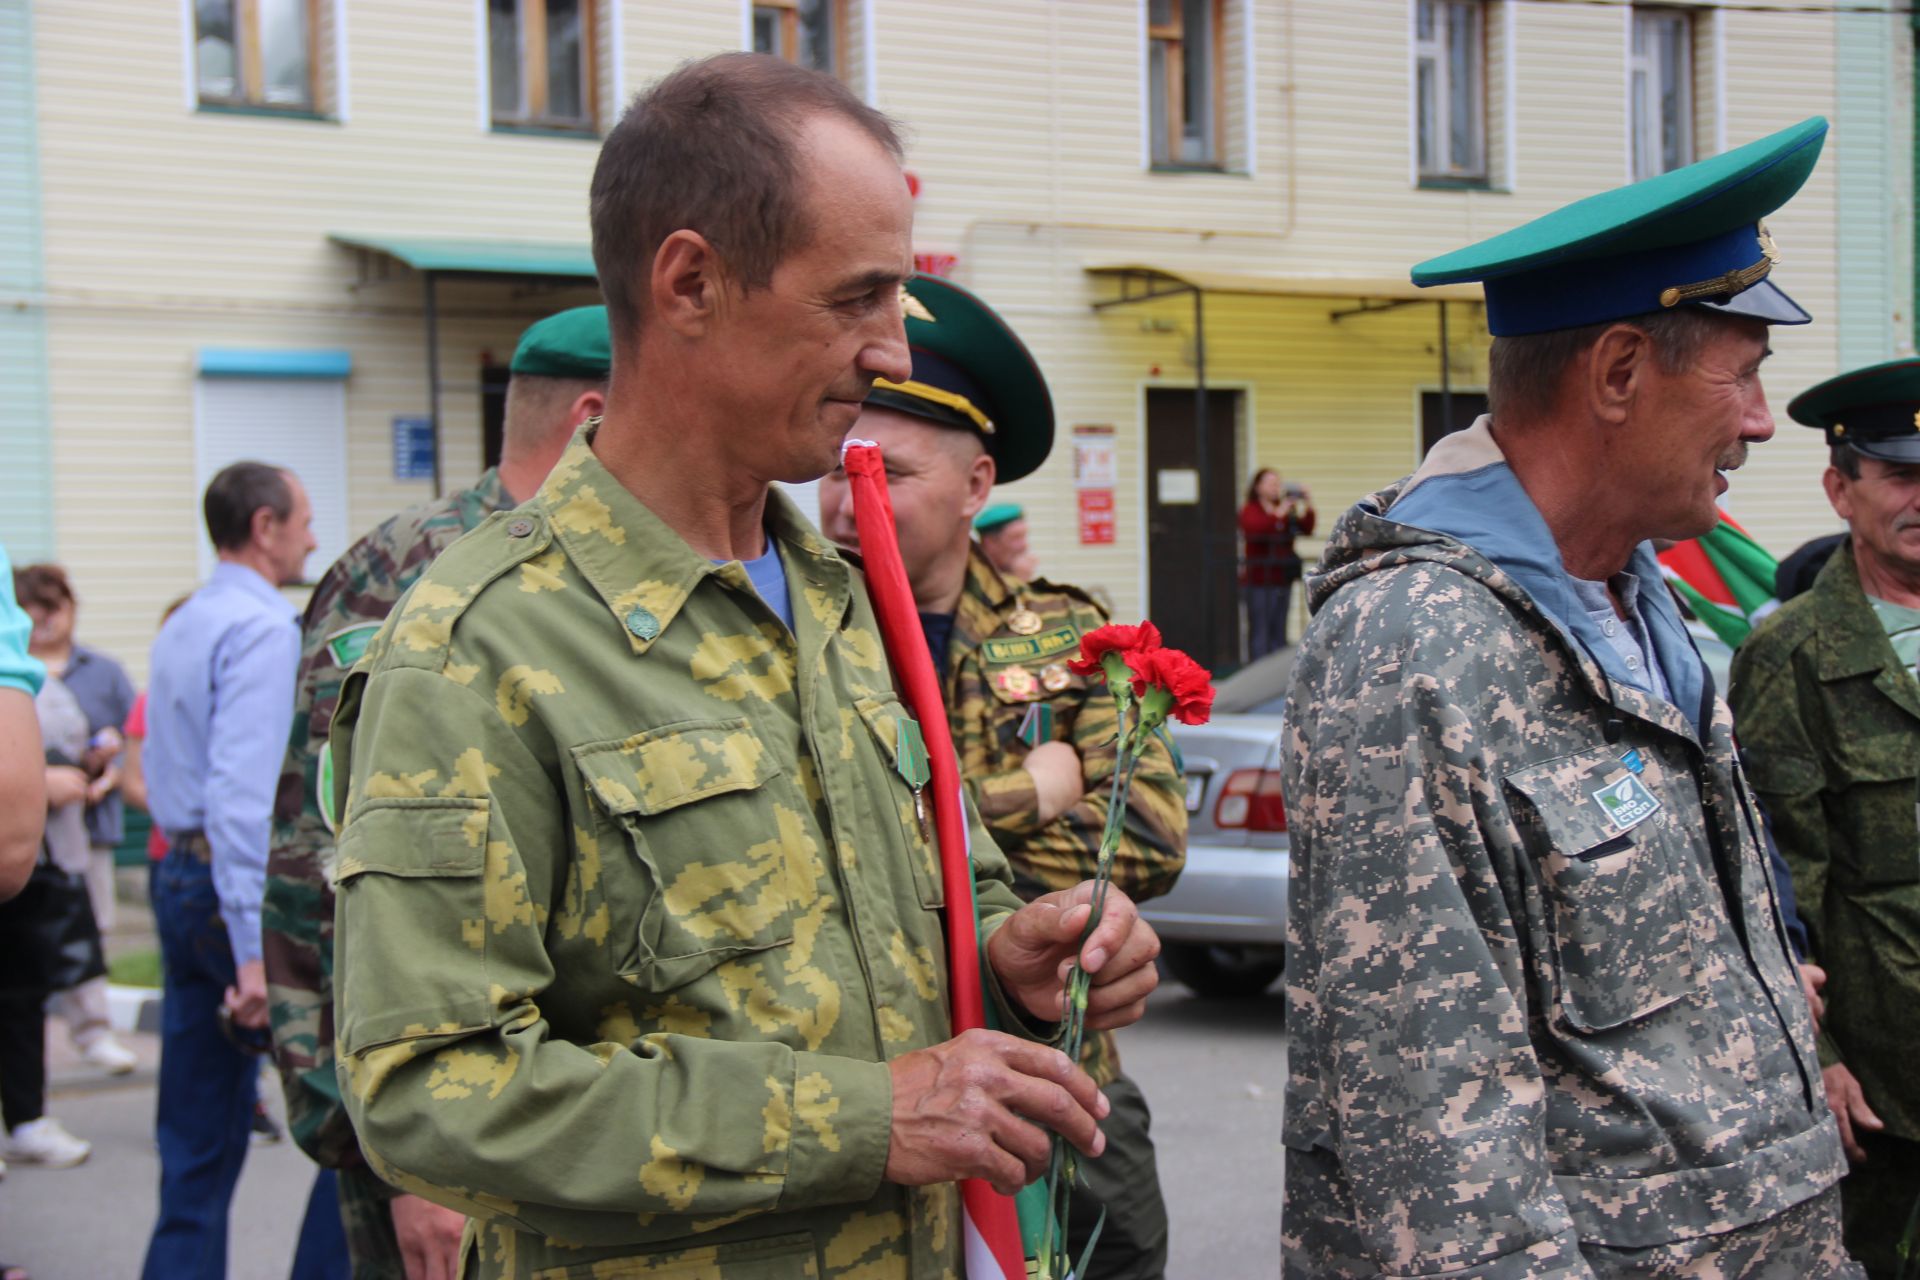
(299, 424)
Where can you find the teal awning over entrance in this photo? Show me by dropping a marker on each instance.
(451, 256)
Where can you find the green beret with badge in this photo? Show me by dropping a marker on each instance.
(971, 373)
(1876, 410)
(572, 344)
(1690, 237)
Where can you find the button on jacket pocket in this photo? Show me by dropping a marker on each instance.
(719, 856)
(1613, 887)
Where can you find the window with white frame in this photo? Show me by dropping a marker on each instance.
(812, 33)
(296, 423)
(540, 64)
(1660, 85)
(1450, 89)
(257, 53)
(1185, 82)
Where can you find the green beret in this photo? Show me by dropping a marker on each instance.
(1692, 236)
(1875, 409)
(971, 372)
(572, 344)
(997, 516)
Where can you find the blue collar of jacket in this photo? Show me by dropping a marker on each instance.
(1466, 491)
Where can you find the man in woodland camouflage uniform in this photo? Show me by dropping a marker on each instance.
(640, 954)
(1036, 743)
(1824, 698)
(1545, 1017)
(559, 376)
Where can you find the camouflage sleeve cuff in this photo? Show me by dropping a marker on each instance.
(1009, 803)
(841, 1126)
(1829, 1051)
(1013, 1019)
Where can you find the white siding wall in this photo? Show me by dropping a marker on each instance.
(168, 229)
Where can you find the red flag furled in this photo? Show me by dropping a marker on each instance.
(992, 1229)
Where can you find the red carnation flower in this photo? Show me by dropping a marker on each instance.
(1187, 684)
(1112, 638)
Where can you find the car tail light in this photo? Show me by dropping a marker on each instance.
(1250, 801)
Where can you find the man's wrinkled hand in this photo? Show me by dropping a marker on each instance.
(1058, 781)
(247, 997)
(429, 1238)
(1850, 1110)
(1032, 952)
(981, 1105)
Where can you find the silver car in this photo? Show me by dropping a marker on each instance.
(1224, 926)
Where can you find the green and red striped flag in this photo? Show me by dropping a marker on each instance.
(1725, 577)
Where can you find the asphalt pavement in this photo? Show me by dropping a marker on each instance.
(1213, 1072)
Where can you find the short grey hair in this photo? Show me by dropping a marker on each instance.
(1524, 373)
(1845, 459)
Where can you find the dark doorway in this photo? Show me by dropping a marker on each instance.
(1193, 593)
(493, 410)
(1467, 405)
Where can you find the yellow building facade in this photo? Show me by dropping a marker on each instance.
(227, 248)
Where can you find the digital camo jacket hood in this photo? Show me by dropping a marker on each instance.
(1545, 1017)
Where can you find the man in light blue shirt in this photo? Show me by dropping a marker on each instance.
(219, 708)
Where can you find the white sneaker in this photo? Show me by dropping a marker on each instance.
(110, 1055)
(46, 1142)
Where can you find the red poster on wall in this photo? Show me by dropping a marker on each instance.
(1096, 517)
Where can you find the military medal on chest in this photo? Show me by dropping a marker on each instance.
(1016, 682)
(911, 763)
(1025, 622)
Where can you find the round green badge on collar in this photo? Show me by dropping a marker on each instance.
(642, 623)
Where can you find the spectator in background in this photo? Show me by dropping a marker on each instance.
(1272, 517)
(101, 687)
(53, 943)
(1002, 529)
(23, 798)
(220, 706)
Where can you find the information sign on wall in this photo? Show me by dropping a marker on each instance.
(1094, 472)
(412, 448)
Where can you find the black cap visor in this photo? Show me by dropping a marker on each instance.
(1901, 450)
(1766, 302)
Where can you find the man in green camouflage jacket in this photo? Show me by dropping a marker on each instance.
(1035, 741)
(1827, 708)
(641, 959)
(1546, 1020)
(559, 373)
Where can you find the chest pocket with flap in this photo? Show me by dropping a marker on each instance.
(719, 857)
(1614, 888)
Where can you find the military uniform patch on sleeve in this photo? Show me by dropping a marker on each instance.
(1034, 648)
(347, 645)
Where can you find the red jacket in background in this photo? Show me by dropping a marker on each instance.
(1270, 558)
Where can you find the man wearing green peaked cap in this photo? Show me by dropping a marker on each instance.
(1824, 696)
(559, 378)
(1002, 531)
(1035, 742)
(1546, 1020)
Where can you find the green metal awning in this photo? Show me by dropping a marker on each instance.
(448, 256)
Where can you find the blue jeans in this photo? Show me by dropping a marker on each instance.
(321, 1253)
(1267, 618)
(207, 1085)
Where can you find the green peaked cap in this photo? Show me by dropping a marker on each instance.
(1875, 409)
(1627, 251)
(997, 515)
(971, 372)
(571, 344)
